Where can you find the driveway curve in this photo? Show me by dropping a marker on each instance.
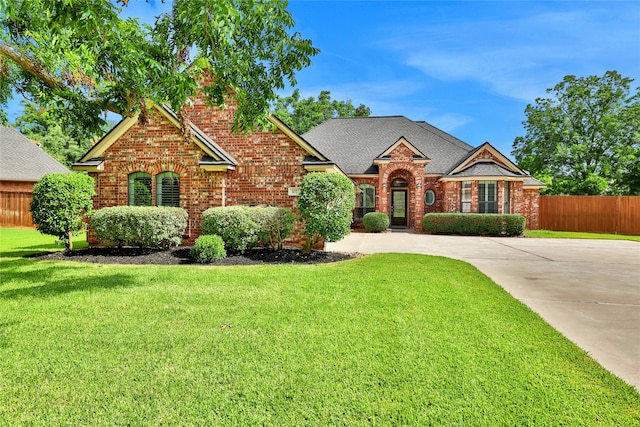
(589, 290)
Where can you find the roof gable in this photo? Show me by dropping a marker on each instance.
(402, 141)
(486, 153)
(214, 155)
(22, 160)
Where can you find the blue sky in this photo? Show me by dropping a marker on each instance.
(467, 67)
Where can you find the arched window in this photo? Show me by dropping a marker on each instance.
(399, 182)
(139, 189)
(168, 189)
(365, 200)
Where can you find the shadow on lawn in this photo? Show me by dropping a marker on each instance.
(48, 280)
(30, 250)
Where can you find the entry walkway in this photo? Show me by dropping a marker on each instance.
(589, 290)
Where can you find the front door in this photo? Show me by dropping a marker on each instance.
(399, 207)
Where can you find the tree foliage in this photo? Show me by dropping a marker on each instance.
(60, 204)
(585, 139)
(325, 204)
(304, 114)
(66, 145)
(84, 57)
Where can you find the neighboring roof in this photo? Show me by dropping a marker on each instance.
(22, 160)
(353, 142)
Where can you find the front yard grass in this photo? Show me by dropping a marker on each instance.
(389, 339)
(578, 235)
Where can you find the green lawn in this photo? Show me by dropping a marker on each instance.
(382, 340)
(578, 235)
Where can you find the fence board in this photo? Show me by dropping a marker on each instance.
(14, 209)
(592, 214)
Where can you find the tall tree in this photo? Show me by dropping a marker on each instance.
(304, 114)
(66, 145)
(586, 138)
(85, 58)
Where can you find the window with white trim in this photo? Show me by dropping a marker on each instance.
(487, 197)
(465, 196)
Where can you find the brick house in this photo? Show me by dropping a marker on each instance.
(409, 168)
(155, 164)
(402, 167)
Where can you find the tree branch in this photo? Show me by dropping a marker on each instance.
(34, 68)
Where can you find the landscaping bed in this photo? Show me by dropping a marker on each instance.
(180, 255)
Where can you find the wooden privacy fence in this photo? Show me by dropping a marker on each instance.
(14, 209)
(592, 214)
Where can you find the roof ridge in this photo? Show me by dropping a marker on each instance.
(371, 117)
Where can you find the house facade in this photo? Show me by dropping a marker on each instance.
(408, 169)
(401, 167)
(152, 162)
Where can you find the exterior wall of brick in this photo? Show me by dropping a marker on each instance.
(269, 163)
(532, 209)
(521, 201)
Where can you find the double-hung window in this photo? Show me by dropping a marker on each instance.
(465, 197)
(366, 200)
(487, 196)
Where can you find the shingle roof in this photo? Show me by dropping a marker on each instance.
(532, 182)
(485, 169)
(22, 160)
(354, 142)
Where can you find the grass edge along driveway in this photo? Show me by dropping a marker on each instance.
(389, 339)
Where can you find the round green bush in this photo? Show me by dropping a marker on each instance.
(207, 249)
(375, 221)
(234, 224)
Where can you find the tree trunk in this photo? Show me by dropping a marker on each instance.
(308, 244)
(70, 241)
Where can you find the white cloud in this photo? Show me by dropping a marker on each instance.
(449, 122)
(521, 57)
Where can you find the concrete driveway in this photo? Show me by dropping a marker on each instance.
(589, 290)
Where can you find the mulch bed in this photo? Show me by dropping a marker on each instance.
(180, 255)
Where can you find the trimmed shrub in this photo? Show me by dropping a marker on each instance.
(207, 249)
(143, 226)
(375, 221)
(276, 224)
(325, 204)
(234, 224)
(474, 224)
(60, 204)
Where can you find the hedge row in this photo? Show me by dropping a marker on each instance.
(143, 226)
(244, 227)
(474, 224)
